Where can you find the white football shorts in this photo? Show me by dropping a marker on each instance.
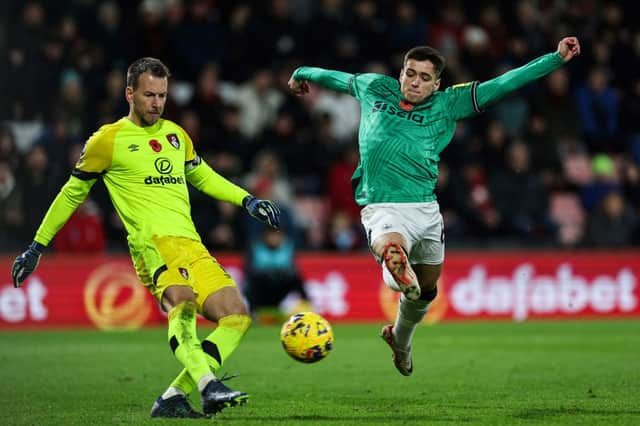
(420, 224)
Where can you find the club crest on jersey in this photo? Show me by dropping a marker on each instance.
(155, 145)
(184, 273)
(173, 140)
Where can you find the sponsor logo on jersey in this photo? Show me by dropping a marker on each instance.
(164, 180)
(380, 106)
(155, 145)
(133, 147)
(164, 166)
(173, 140)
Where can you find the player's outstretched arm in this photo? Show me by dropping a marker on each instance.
(72, 194)
(265, 211)
(329, 79)
(492, 90)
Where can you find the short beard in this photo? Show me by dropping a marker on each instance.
(146, 123)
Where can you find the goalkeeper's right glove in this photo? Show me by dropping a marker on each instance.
(26, 263)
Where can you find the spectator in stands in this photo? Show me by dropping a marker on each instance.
(83, 233)
(220, 224)
(557, 106)
(344, 112)
(8, 147)
(544, 149)
(241, 33)
(409, 26)
(520, 197)
(268, 178)
(110, 107)
(73, 103)
(529, 25)
(345, 234)
(491, 19)
(11, 214)
(279, 34)
(38, 188)
(207, 103)
(257, 100)
(630, 112)
(369, 30)
(198, 40)
(26, 37)
(57, 140)
(271, 272)
(495, 143)
(512, 112)
(339, 191)
(604, 181)
(613, 223)
(111, 34)
(446, 32)
(467, 204)
(598, 106)
(631, 183)
(308, 157)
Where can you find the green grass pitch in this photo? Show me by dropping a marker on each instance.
(464, 373)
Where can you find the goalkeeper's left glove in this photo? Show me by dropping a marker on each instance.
(26, 263)
(264, 210)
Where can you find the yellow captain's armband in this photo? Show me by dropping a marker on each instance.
(460, 85)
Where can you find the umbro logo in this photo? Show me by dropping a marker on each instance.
(133, 147)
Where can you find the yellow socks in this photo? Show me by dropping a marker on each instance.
(184, 342)
(218, 346)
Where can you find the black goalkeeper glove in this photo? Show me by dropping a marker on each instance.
(263, 210)
(26, 263)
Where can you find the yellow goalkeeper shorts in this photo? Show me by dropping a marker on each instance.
(182, 261)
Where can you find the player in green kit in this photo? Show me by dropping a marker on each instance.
(405, 124)
(145, 163)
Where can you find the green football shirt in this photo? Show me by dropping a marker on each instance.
(145, 170)
(400, 143)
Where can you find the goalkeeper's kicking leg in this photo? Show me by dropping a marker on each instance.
(215, 295)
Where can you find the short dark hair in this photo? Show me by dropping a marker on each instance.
(426, 53)
(142, 65)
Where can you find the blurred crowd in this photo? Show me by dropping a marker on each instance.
(555, 165)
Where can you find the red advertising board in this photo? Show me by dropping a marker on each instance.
(103, 291)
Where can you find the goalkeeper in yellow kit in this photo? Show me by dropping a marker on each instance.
(145, 163)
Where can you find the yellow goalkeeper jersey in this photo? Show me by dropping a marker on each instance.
(145, 170)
